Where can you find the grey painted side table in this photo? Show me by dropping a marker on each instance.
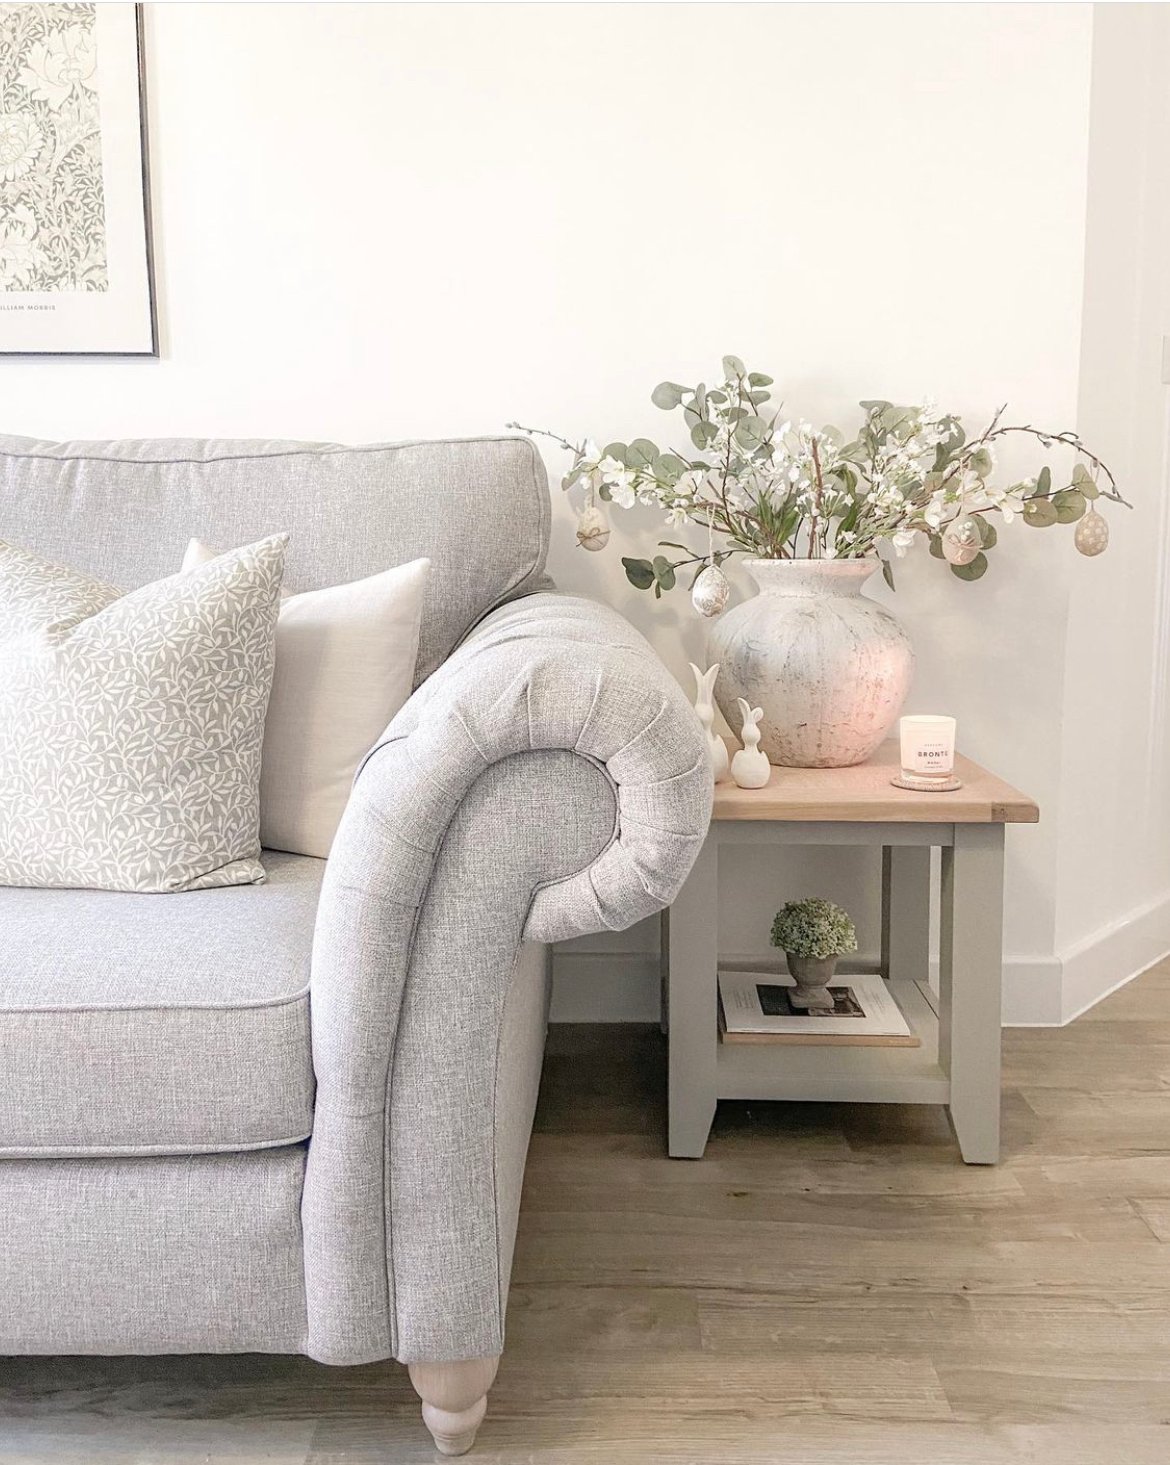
(958, 1063)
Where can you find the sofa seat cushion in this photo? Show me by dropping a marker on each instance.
(146, 1024)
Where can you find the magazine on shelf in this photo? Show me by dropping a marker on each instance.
(754, 1008)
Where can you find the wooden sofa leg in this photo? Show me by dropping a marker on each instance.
(454, 1399)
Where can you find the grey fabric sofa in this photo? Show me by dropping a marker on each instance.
(293, 1117)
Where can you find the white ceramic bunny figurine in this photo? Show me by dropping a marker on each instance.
(750, 768)
(705, 707)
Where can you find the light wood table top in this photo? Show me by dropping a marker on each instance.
(864, 794)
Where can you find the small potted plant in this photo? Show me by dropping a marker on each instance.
(812, 934)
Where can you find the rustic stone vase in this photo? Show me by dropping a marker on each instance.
(812, 975)
(830, 667)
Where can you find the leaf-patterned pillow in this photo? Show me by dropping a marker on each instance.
(131, 725)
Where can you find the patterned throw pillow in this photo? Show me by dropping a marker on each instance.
(131, 725)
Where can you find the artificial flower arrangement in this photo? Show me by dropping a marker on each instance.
(774, 488)
(815, 928)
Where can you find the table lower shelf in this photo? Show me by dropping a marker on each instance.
(829, 1074)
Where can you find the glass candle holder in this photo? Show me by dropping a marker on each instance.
(928, 752)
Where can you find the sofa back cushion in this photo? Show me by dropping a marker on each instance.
(345, 659)
(477, 508)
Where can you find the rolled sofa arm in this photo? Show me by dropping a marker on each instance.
(549, 780)
(557, 672)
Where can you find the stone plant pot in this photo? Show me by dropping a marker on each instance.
(830, 667)
(812, 975)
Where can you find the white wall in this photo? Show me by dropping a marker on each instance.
(380, 221)
(1113, 866)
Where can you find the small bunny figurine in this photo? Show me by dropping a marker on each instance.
(705, 707)
(750, 768)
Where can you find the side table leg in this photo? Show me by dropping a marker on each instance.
(970, 981)
(906, 913)
(692, 935)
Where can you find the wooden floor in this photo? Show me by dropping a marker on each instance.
(830, 1284)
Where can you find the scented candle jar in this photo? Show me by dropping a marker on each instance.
(928, 748)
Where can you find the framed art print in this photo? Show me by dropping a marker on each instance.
(76, 274)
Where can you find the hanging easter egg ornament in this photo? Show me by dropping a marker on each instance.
(1092, 533)
(592, 528)
(711, 591)
(961, 541)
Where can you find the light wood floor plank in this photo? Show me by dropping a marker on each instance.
(1155, 1212)
(1113, 1337)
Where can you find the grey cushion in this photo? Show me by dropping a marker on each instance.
(140, 1024)
(478, 508)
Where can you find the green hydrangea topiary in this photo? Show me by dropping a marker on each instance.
(814, 927)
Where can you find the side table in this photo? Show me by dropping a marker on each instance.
(958, 1063)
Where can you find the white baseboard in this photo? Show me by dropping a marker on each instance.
(1031, 991)
(1040, 991)
(1054, 991)
(1129, 947)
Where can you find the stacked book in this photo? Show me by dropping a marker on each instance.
(754, 1008)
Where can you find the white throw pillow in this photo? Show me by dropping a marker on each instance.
(345, 661)
(131, 725)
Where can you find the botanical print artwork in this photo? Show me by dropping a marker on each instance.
(52, 205)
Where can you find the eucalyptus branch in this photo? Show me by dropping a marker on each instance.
(578, 449)
(694, 559)
(1070, 440)
(779, 490)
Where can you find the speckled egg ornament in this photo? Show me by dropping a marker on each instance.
(1092, 534)
(711, 591)
(961, 542)
(592, 528)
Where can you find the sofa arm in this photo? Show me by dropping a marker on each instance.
(557, 672)
(550, 779)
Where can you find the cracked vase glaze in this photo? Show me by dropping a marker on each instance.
(830, 667)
